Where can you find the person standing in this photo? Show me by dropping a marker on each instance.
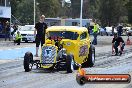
(7, 31)
(102, 31)
(40, 28)
(15, 28)
(113, 27)
(95, 33)
(1, 27)
(120, 30)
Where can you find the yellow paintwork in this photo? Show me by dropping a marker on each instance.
(72, 46)
(67, 28)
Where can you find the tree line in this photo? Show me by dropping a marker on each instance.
(106, 12)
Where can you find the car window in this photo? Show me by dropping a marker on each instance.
(64, 34)
(83, 36)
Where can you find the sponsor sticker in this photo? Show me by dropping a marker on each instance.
(83, 78)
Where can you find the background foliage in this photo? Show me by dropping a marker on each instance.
(107, 12)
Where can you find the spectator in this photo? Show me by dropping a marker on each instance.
(113, 27)
(117, 41)
(40, 27)
(102, 31)
(12, 31)
(119, 30)
(89, 30)
(15, 27)
(18, 38)
(1, 27)
(95, 33)
(105, 31)
(7, 30)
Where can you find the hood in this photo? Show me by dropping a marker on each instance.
(27, 32)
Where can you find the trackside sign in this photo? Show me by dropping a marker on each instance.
(5, 12)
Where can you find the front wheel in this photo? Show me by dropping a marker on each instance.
(69, 64)
(28, 59)
(91, 56)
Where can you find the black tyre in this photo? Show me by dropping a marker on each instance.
(75, 66)
(69, 64)
(28, 61)
(91, 57)
(81, 80)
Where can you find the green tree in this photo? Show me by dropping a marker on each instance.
(111, 11)
(25, 12)
(65, 10)
(108, 12)
(90, 9)
(50, 8)
(14, 4)
(75, 6)
(129, 8)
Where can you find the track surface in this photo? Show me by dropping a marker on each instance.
(12, 74)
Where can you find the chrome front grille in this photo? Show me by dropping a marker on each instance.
(48, 54)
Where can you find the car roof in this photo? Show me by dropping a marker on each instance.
(67, 28)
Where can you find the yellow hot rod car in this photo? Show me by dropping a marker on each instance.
(66, 47)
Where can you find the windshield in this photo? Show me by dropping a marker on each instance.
(64, 34)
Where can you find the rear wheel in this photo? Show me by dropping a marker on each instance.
(91, 57)
(28, 61)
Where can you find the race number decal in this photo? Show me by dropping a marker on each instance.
(48, 53)
(83, 50)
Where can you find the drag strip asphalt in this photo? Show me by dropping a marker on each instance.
(16, 53)
(12, 74)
